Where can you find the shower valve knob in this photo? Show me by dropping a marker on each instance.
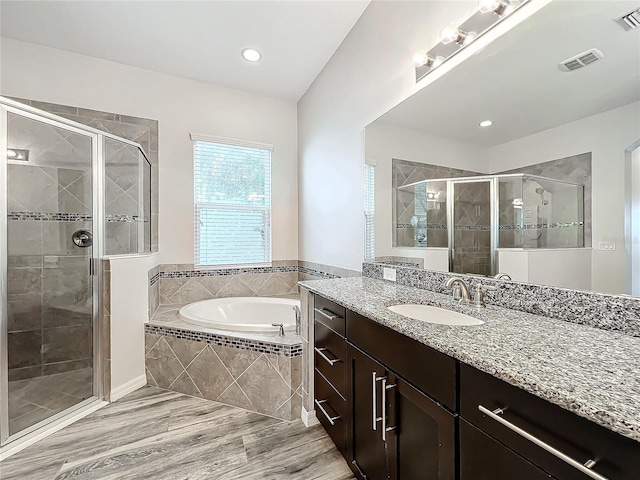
(82, 238)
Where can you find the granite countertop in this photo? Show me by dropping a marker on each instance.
(592, 372)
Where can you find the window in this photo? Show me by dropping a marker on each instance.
(232, 197)
(369, 221)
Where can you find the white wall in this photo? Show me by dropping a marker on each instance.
(634, 230)
(606, 135)
(181, 106)
(370, 73)
(384, 142)
(129, 312)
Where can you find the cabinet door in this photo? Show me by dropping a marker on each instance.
(421, 434)
(483, 458)
(365, 403)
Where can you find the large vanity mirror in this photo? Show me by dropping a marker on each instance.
(549, 193)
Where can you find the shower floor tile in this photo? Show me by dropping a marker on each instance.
(35, 399)
(162, 435)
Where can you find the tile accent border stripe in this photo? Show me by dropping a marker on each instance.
(294, 350)
(50, 216)
(72, 217)
(599, 310)
(244, 271)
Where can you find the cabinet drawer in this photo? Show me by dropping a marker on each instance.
(329, 354)
(330, 411)
(431, 371)
(482, 458)
(329, 313)
(616, 456)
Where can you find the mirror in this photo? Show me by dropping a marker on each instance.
(552, 192)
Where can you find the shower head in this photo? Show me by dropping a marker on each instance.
(540, 191)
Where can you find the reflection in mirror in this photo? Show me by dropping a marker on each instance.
(549, 193)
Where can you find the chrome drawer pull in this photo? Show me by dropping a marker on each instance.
(329, 417)
(320, 351)
(385, 429)
(328, 316)
(584, 468)
(374, 408)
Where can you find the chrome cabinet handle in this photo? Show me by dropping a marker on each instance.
(385, 429)
(320, 351)
(328, 316)
(584, 468)
(326, 414)
(374, 408)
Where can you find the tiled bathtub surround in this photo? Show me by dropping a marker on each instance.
(608, 312)
(179, 284)
(225, 370)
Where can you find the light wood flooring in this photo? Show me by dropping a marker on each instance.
(163, 435)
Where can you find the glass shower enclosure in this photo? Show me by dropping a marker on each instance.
(69, 196)
(475, 216)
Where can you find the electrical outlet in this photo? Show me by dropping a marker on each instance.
(607, 246)
(389, 274)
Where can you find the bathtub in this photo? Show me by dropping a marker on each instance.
(242, 314)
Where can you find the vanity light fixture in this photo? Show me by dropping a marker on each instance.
(486, 123)
(424, 60)
(251, 54)
(499, 7)
(451, 34)
(453, 38)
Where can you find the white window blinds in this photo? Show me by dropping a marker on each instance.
(369, 221)
(232, 197)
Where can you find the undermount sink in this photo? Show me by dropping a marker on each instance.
(441, 316)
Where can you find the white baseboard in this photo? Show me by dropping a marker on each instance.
(309, 418)
(127, 388)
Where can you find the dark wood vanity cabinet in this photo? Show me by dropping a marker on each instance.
(505, 415)
(397, 431)
(330, 370)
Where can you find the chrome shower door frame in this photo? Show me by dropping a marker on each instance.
(97, 172)
(4, 354)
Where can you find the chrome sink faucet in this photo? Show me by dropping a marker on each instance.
(460, 289)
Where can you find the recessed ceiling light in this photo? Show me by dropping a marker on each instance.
(251, 55)
(486, 123)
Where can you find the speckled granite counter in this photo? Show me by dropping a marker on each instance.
(591, 372)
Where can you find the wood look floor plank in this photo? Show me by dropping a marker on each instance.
(162, 435)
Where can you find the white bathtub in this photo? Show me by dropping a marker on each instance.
(242, 314)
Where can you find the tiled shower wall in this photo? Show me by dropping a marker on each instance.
(472, 228)
(49, 285)
(575, 169)
(141, 130)
(404, 172)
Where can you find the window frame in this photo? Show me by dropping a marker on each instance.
(200, 207)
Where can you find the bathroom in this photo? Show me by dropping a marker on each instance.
(143, 118)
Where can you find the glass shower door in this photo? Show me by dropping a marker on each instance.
(48, 364)
(471, 235)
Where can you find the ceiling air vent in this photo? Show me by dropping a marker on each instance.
(581, 60)
(630, 21)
